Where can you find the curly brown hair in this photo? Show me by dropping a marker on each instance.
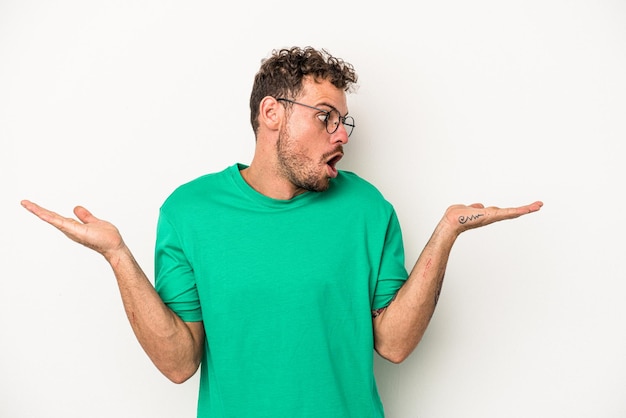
(282, 73)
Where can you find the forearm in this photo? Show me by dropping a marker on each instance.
(399, 327)
(175, 347)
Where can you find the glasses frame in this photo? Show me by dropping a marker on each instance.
(346, 121)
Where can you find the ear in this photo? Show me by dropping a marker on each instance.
(271, 113)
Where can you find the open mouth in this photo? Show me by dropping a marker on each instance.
(332, 162)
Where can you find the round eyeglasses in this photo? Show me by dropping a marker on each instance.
(331, 118)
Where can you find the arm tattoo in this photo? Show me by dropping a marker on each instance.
(376, 312)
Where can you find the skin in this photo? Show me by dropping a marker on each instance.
(400, 327)
(292, 153)
(175, 347)
(293, 148)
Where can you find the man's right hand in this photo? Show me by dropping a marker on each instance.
(94, 233)
(175, 347)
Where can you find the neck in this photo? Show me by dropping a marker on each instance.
(269, 183)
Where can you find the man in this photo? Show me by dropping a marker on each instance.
(282, 277)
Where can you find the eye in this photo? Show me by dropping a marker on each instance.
(323, 117)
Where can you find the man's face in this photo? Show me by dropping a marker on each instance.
(306, 153)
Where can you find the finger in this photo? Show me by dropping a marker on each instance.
(29, 206)
(523, 210)
(477, 205)
(84, 215)
(41, 213)
(511, 213)
(534, 207)
(68, 226)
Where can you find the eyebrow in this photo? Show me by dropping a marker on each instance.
(333, 108)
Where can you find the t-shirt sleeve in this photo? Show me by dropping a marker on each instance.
(175, 280)
(392, 272)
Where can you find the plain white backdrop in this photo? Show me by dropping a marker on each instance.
(111, 105)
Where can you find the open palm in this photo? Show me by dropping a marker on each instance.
(94, 233)
(462, 217)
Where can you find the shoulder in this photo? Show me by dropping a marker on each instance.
(197, 189)
(357, 192)
(353, 184)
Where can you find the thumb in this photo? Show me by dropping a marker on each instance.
(84, 215)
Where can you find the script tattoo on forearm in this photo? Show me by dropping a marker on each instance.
(464, 219)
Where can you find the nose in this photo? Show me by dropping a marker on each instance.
(340, 135)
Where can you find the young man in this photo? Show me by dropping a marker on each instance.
(282, 277)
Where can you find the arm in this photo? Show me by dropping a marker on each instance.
(174, 346)
(399, 327)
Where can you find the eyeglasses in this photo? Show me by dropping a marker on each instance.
(330, 117)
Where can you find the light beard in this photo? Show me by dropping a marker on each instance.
(297, 167)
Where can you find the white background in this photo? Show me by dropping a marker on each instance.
(113, 104)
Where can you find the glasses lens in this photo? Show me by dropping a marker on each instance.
(348, 123)
(332, 122)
